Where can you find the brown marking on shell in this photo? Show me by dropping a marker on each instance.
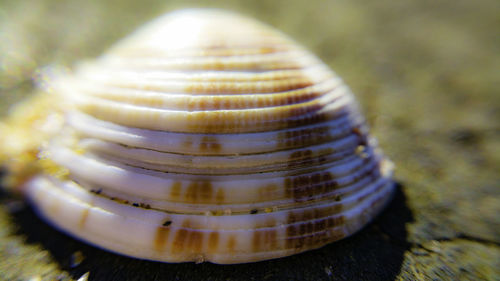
(304, 187)
(336, 234)
(193, 104)
(357, 131)
(335, 221)
(271, 237)
(316, 239)
(269, 49)
(264, 239)
(319, 225)
(231, 243)
(180, 238)
(83, 218)
(213, 241)
(256, 65)
(161, 237)
(314, 215)
(310, 233)
(220, 197)
(361, 134)
(307, 157)
(216, 50)
(291, 231)
(299, 111)
(256, 243)
(233, 88)
(228, 122)
(181, 235)
(267, 191)
(226, 103)
(195, 241)
(199, 191)
(306, 120)
(373, 174)
(298, 98)
(187, 142)
(261, 103)
(300, 138)
(175, 190)
(187, 239)
(210, 144)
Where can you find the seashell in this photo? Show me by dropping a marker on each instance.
(204, 136)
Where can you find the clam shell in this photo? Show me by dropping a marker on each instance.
(208, 136)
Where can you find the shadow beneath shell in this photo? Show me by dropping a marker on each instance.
(374, 253)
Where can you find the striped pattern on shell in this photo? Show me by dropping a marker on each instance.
(207, 136)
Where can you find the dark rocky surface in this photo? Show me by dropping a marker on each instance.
(426, 75)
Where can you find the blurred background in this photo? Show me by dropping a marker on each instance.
(427, 75)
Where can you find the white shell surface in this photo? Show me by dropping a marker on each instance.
(207, 136)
